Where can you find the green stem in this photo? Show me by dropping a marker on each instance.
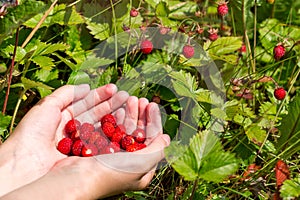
(194, 189)
(115, 32)
(16, 110)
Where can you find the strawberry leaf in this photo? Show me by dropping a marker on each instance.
(291, 188)
(203, 158)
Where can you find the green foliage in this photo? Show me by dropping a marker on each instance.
(291, 188)
(204, 158)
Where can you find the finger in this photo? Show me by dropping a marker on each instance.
(97, 112)
(65, 95)
(154, 123)
(143, 103)
(94, 98)
(139, 162)
(119, 115)
(131, 114)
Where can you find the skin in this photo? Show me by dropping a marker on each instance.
(32, 167)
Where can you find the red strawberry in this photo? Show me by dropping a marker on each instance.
(101, 143)
(89, 150)
(188, 51)
(121, 127)
(118, 135)
(86, 131)
(146, 46)
(127, 140)
(279, 93)
(108, 118)
(108, 129)
(77, 147)
(222, 8)
(213, 34)
(65, 145)
(134, 12)
(72, 126)
(139, 135)
(278, 51)
(243, 49)
(135, 147)
(94, 136)
(111, 148)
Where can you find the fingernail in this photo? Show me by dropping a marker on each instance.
(83, 87)
(166, 138)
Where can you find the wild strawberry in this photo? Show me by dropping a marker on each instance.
(118, 135)
(65, 145)
(164, 30)
(146, 46)
(222, 8)
(108, 129)
(282, 173)
(278, 51)
(101, 143)
(111, 148)
(94, 136)
(89, 150)
(134, 12)
(135, 147)
(77, 147)
(188, 51)
(139, 135)
(86, 131)
(72, 126)
(108, 118)
(126, 141)
(213, 34)
(121, 127)
(156, 99)
(243, 49)
(279, 93)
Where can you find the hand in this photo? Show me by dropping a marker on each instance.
(30, 152)
(109, 174)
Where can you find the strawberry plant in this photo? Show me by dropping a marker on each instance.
(225, 74)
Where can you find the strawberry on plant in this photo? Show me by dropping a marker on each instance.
(146, 46)
(278, 51)
(134, 12)
(65, 146)
(72, 126)
(108, 129)
(282, 173)
(139, 135)
(243, 49)
(213, 34)
(77, 147)
(279, 93)
(188, 51)
(222, 8)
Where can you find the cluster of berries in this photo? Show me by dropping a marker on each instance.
(84, 140)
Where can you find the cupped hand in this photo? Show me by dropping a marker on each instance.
(30, 151)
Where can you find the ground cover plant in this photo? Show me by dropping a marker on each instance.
(224, 73)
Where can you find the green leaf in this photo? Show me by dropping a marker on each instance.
(242, 15)
(290, 127)
(61, 14)
(162, 9)
(4, 120)
(291, 188)
(19, 14)
(256, 134)
(203, 158)
(79, 77)
(98, 30)
(93, 62)
(225, 45)
(178, 9)
(43, 61)
(46, 75)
